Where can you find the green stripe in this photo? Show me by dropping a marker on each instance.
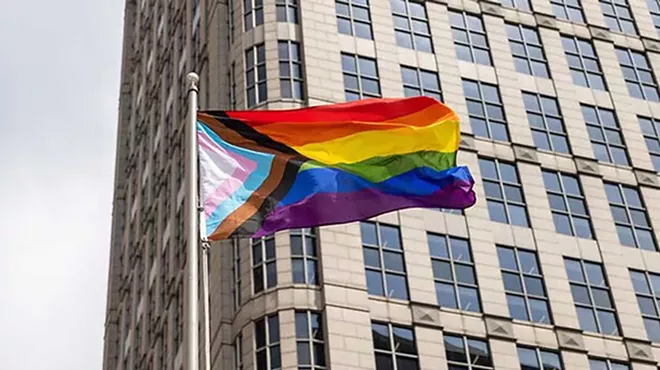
(377, 169)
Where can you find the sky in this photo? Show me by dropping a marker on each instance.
(59, 81)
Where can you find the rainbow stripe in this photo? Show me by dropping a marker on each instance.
(264, 171)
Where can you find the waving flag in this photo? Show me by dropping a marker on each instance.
(264, 171)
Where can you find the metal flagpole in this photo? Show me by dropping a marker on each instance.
(192, 229)
(205, 296)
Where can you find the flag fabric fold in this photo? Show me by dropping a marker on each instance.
(265, 171)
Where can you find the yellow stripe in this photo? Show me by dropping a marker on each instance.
(441, 136)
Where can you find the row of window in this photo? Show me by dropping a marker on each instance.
(506, 203)
(395, 348)
(454, 271)
(485, 108)
(411, 21)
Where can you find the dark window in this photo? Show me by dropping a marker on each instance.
(264, 263)
(524, 286)
(267, 343)
(411, 25)
(618, 16)
(570, 10)
(568, 204)
(654, 9)
(394, 347)
(354, 18)
(518, 4)
(583, 63)
(360, 77)
(527, 50)
(236, 274)
(291, 76)
(384, 262)
(606, 364)
(638, 74)
(630, 217)
(504, 194)
(238, 353)
(310, 340)
(605, 135)
(255, 75)
(253, 13)
(647, 289)
(287, 11)
(485, 110)
(538, 359)
(304, 256)
(591, 296)
(470, 38)
(651, 132)
(419, 82)
(546, 122)
(467, 353)
(454, 273)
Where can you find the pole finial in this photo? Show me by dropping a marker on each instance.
(192, 79)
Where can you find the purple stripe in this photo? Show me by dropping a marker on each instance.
(336, 208)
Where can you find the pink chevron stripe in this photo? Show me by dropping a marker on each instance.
(233, 182)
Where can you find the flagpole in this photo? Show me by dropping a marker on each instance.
(192, 229)
(205, 303)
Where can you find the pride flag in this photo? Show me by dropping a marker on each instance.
(264, 171)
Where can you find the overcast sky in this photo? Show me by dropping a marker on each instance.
(59, 78)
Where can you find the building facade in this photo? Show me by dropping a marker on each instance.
(557, 265)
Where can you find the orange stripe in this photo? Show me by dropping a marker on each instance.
(298, 134)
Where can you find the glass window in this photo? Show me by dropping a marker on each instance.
(647, 289)
(255, 75)
(568, 204)
(470, 38)
(287, 11)
(485, 110)
(267, 343)
(605, 135)
(310, 340)
(523, 5)
(419, 82)
(360, 77)
(618, 16)
(651, 131)
(467, 353)
(523, 285)
(354, 18)
(394, 347)
(638, 74)
(454, 273)
(290, 66)
(504, 195)
(606, 364)
(654, 9)
(384, 260)
(591, 295)
(264, 263)
(630, 217)
(304, 256)
(583, 63)
(569, 10)
(253, 13)
(411, 25)
(238, 353)
(538, 359)
(546, 122)
(236, 274)
(527, 50)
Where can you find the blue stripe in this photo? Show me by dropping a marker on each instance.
(252, 183)
(420, 181)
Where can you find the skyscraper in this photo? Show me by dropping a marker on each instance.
(555, 267)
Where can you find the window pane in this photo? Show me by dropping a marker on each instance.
(528, 360)
(469, 299)
(389, 237)
(586, 319)
(298, 268)
(550, 361)
(303, 353)
(608, 323)
(455, 349)
(512, 282)
(507, 258)
(384, 362)
(438, 246)
(375, 283)
(460, 249)
(404, 340)
(517, 308)
(465, 274)
(574, 270)
(528, 262)
(534, 286)
(397, 286)
(381, 336)
(446, 295)
(368, 232)
(580, 294)
(406, 363)
(540, 310)
(393, 261)
(479, 353)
